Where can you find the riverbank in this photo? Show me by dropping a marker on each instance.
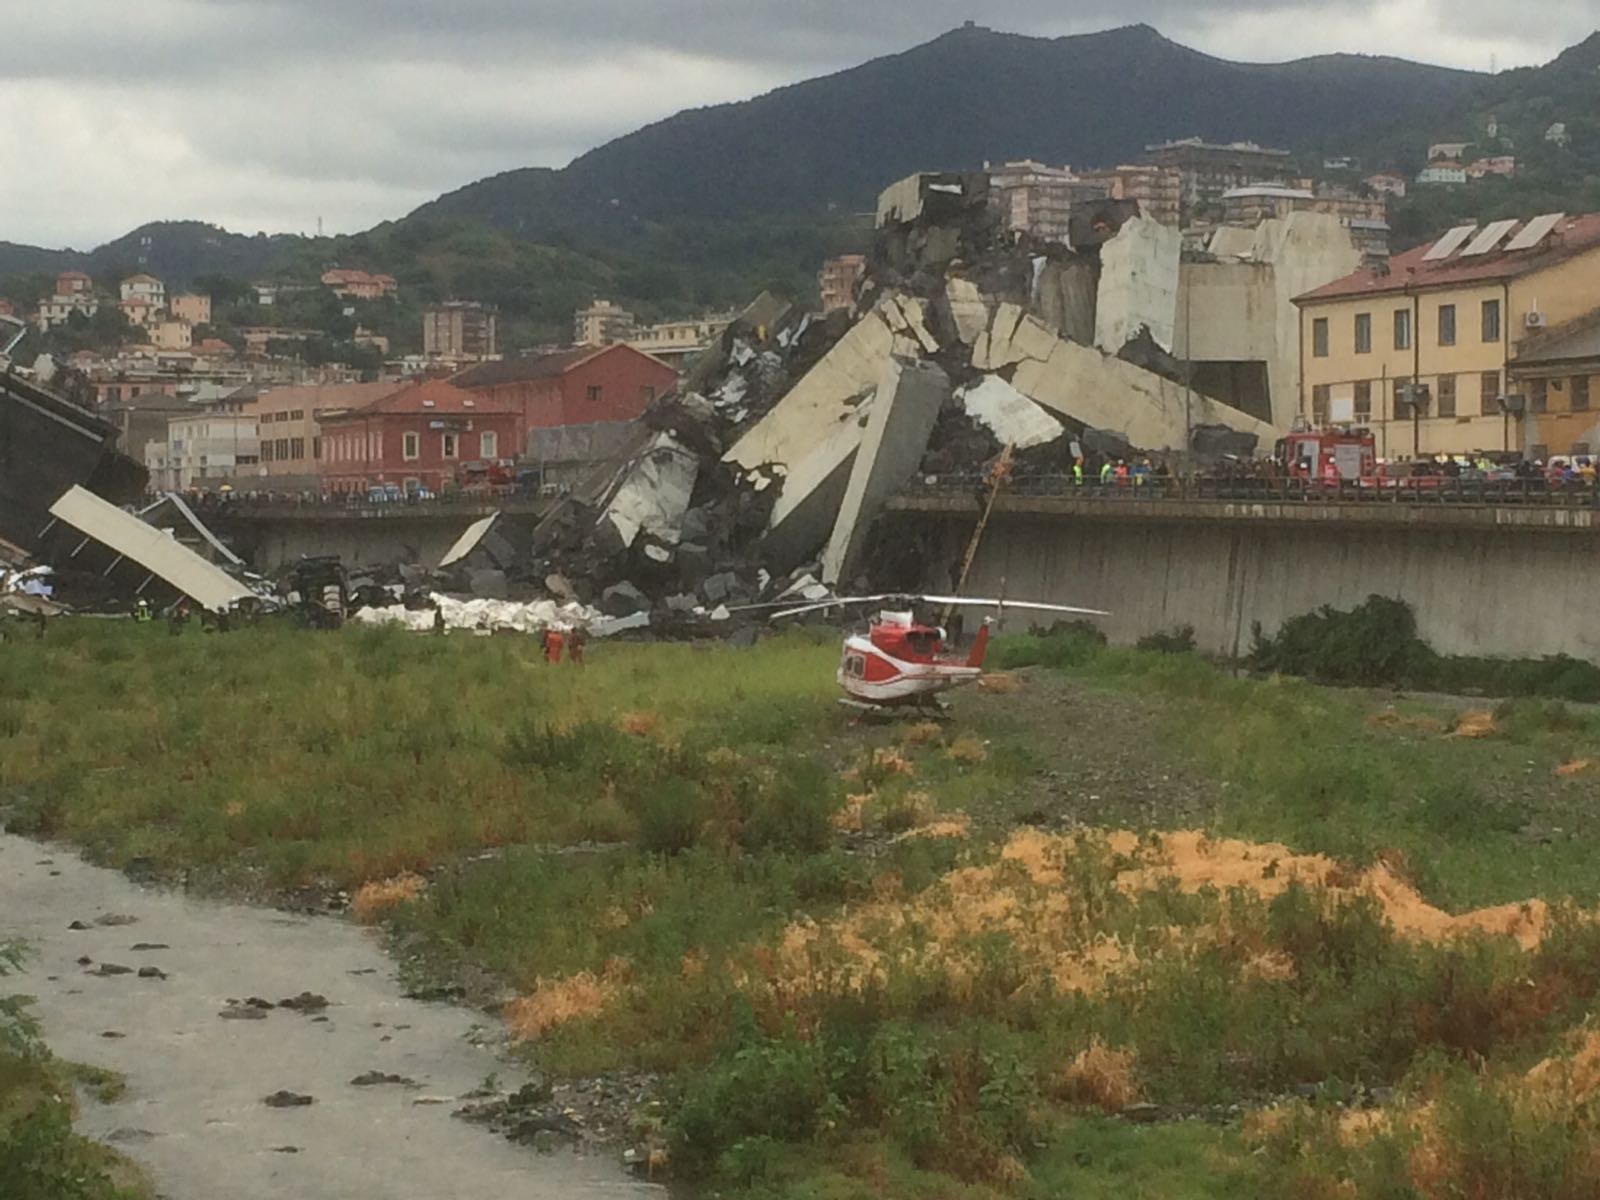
(971, 959)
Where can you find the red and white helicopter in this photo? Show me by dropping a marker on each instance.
(900, 662)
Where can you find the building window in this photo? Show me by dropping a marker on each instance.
(316, 448)
(1539, 451)
(1581, 449)
(488, 445)
(1319, 404)
(1319, 337)
(1580, 393)
(266, 452)
(1491, 320)
(297, 448)
(1402, 329)
(1538, 397)
(447, 445)
(1489, 392)
(412, 447)
(1401, 382)
(1363, 403)
(1447, 395)
(594, 392)
(1447, 324)
(298, 414)
(280, 447)
(1363, 333)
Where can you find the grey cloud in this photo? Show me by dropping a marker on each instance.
(238, 109)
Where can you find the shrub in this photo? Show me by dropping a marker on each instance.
(671, 814)
(1064, 644)
(792, 817)
(1375, 643)
(1179, 640)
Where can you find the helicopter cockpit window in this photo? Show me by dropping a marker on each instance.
(855, 666)
(923, 641)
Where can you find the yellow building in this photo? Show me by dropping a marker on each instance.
(1463, 317)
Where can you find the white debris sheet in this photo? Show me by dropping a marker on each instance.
(533, 617)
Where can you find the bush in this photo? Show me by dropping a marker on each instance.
(1064, 644)
(671, 815)
(1179, 640)
(792, 817)
(1374, 644)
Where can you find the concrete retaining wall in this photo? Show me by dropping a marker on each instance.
(1475, 591)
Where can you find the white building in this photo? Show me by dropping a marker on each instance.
(146, 288)
(1442, 172)
(203, 450)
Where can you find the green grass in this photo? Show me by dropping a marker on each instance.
(40, 1156)
(664, 819)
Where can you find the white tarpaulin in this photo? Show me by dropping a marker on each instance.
(533, 617)
(156, 551)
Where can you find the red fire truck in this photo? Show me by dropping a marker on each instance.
(1340, 454)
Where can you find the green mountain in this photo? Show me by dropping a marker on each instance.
(1511, 113)
(831, 144)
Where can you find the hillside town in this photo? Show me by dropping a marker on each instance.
(202, 411)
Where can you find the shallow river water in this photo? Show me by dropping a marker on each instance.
(193, 1114)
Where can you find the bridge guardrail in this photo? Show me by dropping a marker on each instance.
(1422, 490)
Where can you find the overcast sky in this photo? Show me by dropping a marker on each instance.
(268, 114)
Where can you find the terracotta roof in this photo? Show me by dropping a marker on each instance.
(430, 396)
(521, 370)
(1408, 271)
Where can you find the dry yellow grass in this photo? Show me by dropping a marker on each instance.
(639, 724)
(372, 900)
(1577, 767)
(889, 760)
(1031, 898)
(1101, 1076)
(957, 825)
(921, 734)
(556, 1002)
(968, 751)
(999, 683)
(1475, 723)
(1392, 718)
(852, 815)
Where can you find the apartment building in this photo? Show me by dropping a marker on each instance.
(837, 280)
(1473, 317)
(460, 331)
(1208, 169)
(601, 324)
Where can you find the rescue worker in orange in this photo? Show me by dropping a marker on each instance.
(554, 642)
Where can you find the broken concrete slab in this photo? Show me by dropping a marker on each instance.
(1101, 392)
(1008, 414)
(1138, 284)
(904, 411)
(967, 309)
(157, 552)
(468, 541)
(488, 583)
(655, 492)
(623, 599)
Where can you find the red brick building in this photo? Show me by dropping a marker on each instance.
(418, 436)
(587, 386)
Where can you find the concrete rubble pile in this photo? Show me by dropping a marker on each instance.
(760, 476)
